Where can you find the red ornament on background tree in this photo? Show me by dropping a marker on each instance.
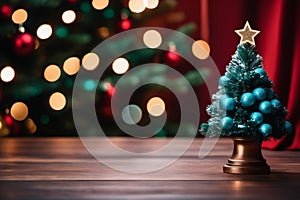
(23, 44)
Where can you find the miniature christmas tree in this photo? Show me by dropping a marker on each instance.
(245, 105)
(246, 109)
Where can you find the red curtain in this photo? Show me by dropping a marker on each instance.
(278, 43)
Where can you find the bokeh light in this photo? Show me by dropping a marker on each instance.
(136, 6)
(100, 4)
(131, 114)
(6, 11)
(8, 119)
(120, 66)
(151, 4)
(30, 125)
(156, 106)
(89, 85)
(108, 13)
(109, 88)
(90, 61)
(21, 29)
(68, 16)
(125, 24)
(61, 32)
(44, 31)
(52, 73)
(201, 49)
(19, 16)
(4, 130)
(19, 111)
(7, 74)
(71, 65)
(86, 7)
(57, 101)
(103, 32)
(152, 39)
(172, 46)
(172, 55)
(36, 43)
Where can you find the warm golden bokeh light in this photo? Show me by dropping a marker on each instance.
(7, 74)
(90, 61)
(120, 66)
(152, 39)
(19, 111)
(68, 16)
(71, 65)
(156, 106)
(103, 32)
(100, 4)
(151, 4)
(30, 126)
(201, 49)
(52, 73)
(36, 43)
(44, 31)
(57, 101)
(19, 16)
(4, 130)
(136, 6)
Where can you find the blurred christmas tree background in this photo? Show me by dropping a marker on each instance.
(44, 43)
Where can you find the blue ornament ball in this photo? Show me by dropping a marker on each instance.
(288, 127)
(226, 123)
(260, 93)
(275, 103)
(247, 99)
(270, 93)
(265, 107)
(227, 103)
(261, 72)
(265, 129)
(257, 117)
(223, 81)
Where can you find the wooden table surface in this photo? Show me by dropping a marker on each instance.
(61, 168)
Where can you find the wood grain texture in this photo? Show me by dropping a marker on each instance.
(61, 168)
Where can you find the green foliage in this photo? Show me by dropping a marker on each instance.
(242, 77)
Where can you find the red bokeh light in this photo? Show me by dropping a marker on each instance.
(126, 24)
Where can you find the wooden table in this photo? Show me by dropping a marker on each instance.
(61, 168)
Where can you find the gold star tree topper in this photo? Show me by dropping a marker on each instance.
(247, 34)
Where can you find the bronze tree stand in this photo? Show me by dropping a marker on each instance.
(246, 158)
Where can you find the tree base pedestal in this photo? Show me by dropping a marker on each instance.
(246, 158)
